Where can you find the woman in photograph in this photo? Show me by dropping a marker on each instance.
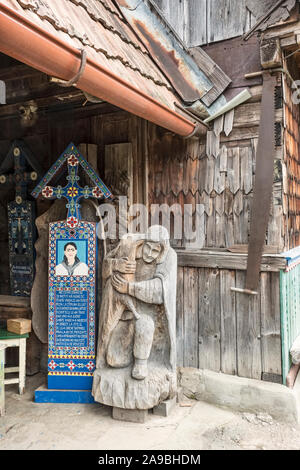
(71, 264)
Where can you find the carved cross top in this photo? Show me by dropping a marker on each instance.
(72, 192)
(16, 158)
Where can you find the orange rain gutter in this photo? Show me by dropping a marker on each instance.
(30, 44)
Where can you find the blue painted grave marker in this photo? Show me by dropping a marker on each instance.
(72, 279)
(21, 216)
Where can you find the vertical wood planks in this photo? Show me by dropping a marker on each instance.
(270, 323)
(190, 286)
(249, 363)
(196, 33)
(119, 168)
(230, 332)
(233, 170)
(228, 323)
(209, 319)
(226, 19)
(199, 22)
(180, 313)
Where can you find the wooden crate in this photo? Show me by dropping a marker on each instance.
(19, 326)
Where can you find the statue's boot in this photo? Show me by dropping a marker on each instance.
(140, 369)
(144, 331)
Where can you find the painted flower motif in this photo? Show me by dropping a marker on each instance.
(52, 365)
(71, 365)
(72, 222)
(90, 365)
(47, 191)
(73, 191)
(72, 160)
(96, 192)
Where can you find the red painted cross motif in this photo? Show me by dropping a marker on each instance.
(96, 192)
(72, 222)
(71, 365)
(47, 192)
(72, 160)
(52, 365)
(90, 365)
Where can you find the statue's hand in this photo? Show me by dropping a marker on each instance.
(125, 266)
(120, 284)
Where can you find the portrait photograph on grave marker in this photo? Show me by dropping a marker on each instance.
(73, 258)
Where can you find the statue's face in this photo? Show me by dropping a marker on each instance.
(70, 253)
(151, 251)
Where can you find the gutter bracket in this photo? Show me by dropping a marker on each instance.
(200, 129)
(76, 78)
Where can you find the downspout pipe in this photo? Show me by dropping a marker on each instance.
(34, 46)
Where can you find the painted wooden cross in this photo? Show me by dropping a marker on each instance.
(71, 278)
(72, 191)
(21, 216)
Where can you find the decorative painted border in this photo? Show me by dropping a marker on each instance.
(68, 153)
(65, 360)
(292, 258)
(71, 366)
(72, 374)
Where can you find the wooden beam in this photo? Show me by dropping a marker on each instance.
(226, 260)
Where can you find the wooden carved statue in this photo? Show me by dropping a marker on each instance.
(136, 354)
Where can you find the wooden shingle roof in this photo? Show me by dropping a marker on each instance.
(101, 29)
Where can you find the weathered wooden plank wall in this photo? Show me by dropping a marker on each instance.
(291, 167)
(220, 330)
(199, 22)
(217, 328)
(218, 174)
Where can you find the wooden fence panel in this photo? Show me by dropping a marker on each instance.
(222, 330)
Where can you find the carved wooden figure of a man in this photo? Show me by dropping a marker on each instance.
(136, 356)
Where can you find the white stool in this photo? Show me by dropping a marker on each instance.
(14, 340)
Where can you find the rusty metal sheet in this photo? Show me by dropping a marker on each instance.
(263, 182)
(180, 68)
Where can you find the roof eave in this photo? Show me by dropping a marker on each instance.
(34, 46)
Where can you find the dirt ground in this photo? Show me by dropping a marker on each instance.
(192, 425)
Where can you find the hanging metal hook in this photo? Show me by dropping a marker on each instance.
(74, 80)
